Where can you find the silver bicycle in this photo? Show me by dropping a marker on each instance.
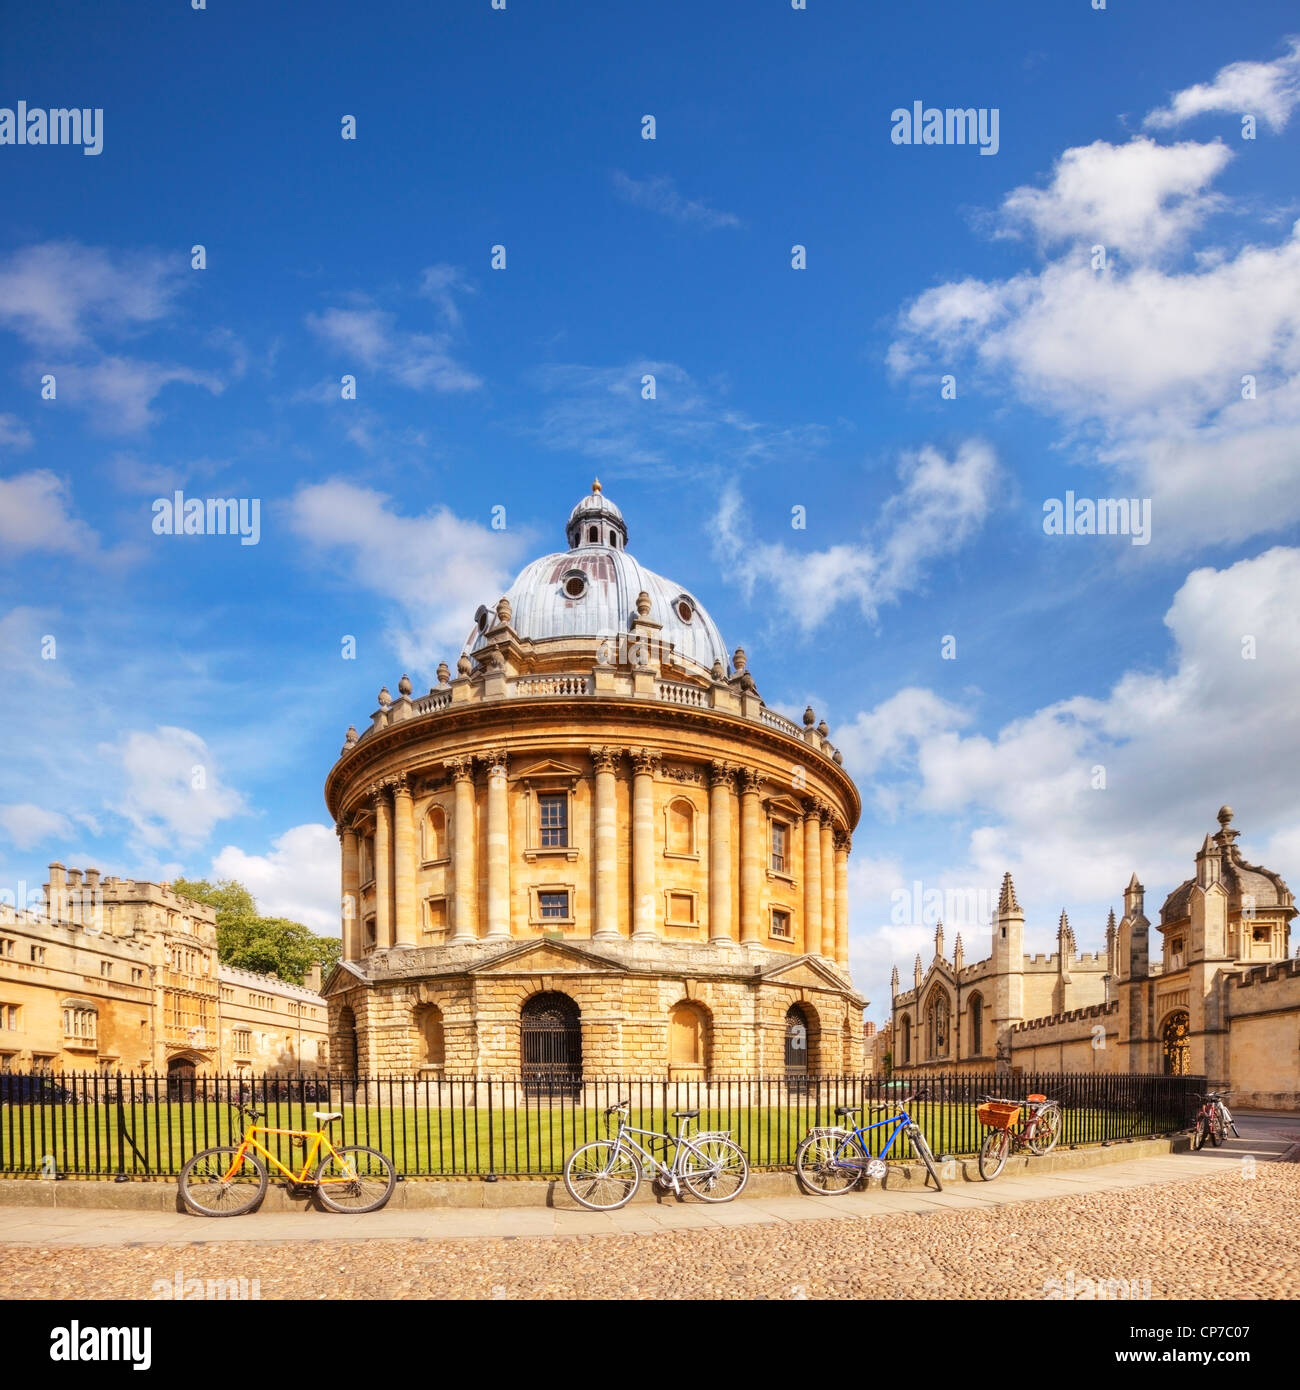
(605, 1174)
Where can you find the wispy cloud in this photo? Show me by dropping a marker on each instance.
(36, 515)
(659, 194)
(939, 507)
(1270, 90)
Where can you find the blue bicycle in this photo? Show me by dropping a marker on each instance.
(833, 1159)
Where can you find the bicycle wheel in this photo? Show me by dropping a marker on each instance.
(993, 1153)
(216, 1182)
(1047, 1131)
(715, 1169)
(1198, 1132)
(923, 1153)
(828, 1164)
(602, 1175)
(1217, 1135)
(355, 1179)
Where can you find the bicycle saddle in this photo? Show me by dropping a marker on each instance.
(842, 1110)
(685, 1114)
(327, 1115)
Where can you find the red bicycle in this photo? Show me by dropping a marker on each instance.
(1213, 1121)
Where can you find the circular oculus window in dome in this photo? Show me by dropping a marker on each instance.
(574, 584)
(685, 607)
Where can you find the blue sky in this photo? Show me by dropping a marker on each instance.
(776, 388)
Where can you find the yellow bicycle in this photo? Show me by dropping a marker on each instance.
(232, 1179)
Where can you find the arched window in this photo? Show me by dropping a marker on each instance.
(431, 1047)
(1174, 1044)
(976, 1010)
(680, 837)
(688, 1037)
(905, 1040)
(798, 1043)
(593, 534)
(936, 1027)
(435, 834)
(345, 1048)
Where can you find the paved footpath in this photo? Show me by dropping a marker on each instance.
(1187, 1225)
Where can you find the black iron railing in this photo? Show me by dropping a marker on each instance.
(79, 1125)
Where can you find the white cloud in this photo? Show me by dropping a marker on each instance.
(119, 392)
(13, 433)
(436, 568)
(35, 514)
(1140, 197)
(370, 337)
(56, 295)
(1270, 90)
(172, 793)
(1215, 727)
(298, 878)
(939, 507)
(659, 194)
(27, 826)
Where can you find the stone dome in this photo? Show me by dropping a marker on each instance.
(1265, 888)
(591, 591)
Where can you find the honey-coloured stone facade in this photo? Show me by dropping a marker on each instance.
(589, 812)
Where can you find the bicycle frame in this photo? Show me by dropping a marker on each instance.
(655, 1165)
(901, 1121)
(251, 1143)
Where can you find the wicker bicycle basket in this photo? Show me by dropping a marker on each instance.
(998, 1116)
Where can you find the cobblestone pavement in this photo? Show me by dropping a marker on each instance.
(1218, 1236)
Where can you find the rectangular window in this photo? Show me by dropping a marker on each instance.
(553, 904)
(780, 837)
(38, 955)
(136, 975)
(243, 1039)
(435, 917)
(10, 1017)
(106, 969)
(6, 945)
(553, 810)
(781, 928)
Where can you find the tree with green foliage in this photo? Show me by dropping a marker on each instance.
(249, 941)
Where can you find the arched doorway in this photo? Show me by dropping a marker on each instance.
(180, 1078)
(550, 1045)
(937, 1033)
(798, 1032)
(688, 1040)
(431, 1047)
(1175, 1045)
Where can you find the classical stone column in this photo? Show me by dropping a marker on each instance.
(644, 762)
(812, 879)
(350, 889)
(722, 791)
(751, 856)
(406, 928)
(843, 844)
(828, 884)
(605, 760)
(383, 866)
(464, 869)
(498, 848)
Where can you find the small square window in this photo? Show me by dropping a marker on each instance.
(781, 927)
(681, 909)
(38, 955)
(553, 904)
(553, 812)
(436, 916)
(106, 968)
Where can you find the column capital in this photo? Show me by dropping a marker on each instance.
(825, 814)
(496, 760)
(843, 841)
(377, 792)
(461, 769)
(812, 808)
(646, 759)
(722, 773)
(401, 785)
(605, 759)
(751, 780)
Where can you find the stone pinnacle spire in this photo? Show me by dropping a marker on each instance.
(1007, 901)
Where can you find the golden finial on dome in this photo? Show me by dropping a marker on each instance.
(595, 486)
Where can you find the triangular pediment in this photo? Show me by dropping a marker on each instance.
(343, 976)
(807, 971)
(539, 957)
(545, 767)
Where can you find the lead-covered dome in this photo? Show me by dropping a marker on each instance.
(591, 590)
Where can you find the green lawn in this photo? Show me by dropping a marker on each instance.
(460, 1140)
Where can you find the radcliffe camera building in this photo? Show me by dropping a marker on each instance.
(594, 849)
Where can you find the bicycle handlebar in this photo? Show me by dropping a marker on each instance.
(620, 1105)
